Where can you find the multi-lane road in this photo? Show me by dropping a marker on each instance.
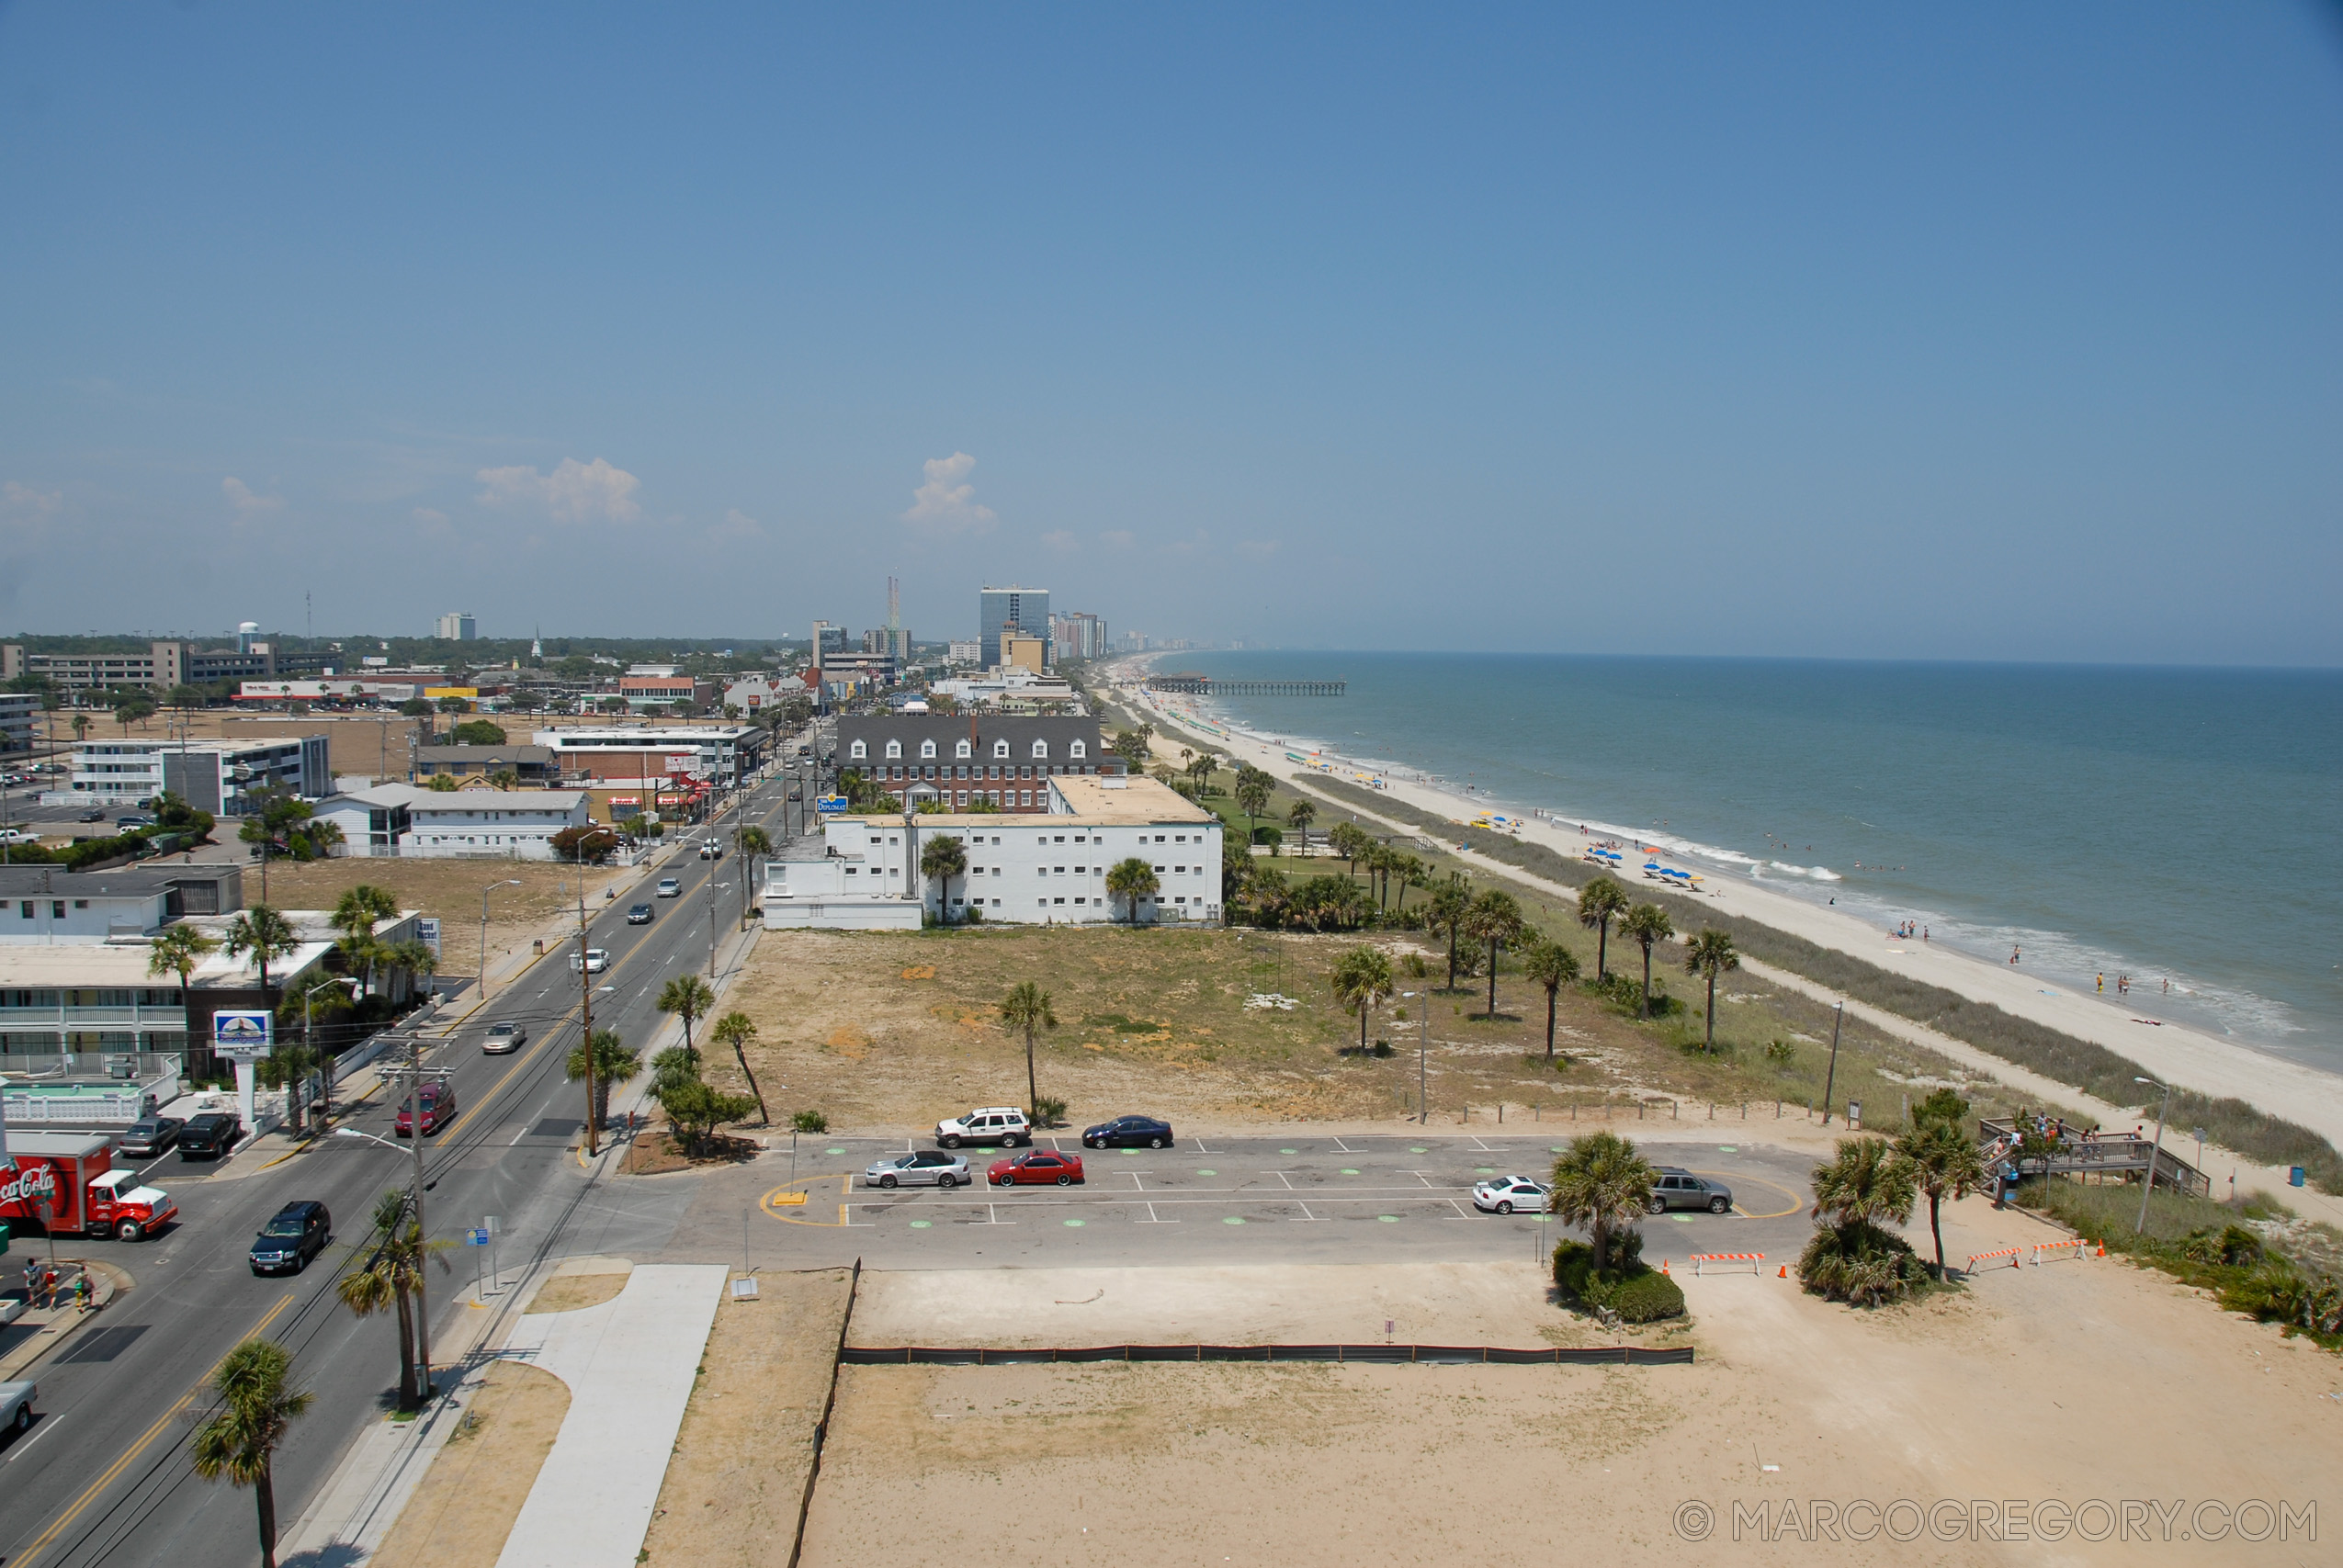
(104, 1476)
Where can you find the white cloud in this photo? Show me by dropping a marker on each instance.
(574, 492)
(248, 505)
(1119, 537)
(431, 520)
(737, 525)
(1058, 539)
(946, 502)
(28, 502)
(1258, 549)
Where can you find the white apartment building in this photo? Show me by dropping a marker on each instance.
(210, 775)
(402, 821)
(1046, 868)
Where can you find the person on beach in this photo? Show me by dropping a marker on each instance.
(2013, 954)
(2101, 986)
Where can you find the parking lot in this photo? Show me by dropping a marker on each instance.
(1316, 1199)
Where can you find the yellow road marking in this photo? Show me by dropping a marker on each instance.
(1796, 1203)
(90, 1494)
(794, 1195)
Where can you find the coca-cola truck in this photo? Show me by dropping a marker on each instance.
(66, 1182)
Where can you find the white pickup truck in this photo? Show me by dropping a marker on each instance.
(15, 1405)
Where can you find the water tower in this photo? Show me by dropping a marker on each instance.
(245, 632)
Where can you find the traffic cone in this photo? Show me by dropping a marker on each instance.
(1663, 1266)
(2102, 1249)
(1783, 1273)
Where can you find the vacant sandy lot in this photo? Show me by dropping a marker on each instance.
(2065, 1383)
(452, 890)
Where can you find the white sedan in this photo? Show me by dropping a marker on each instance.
(1503, 1194)
(923, 1168)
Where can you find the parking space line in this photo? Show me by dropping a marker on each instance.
(1282, 1177)
(1310, 1219)
(1154, 1219)
(1481, 1146)
(1199, 1147)
(1420, 1176)
(1459, 1208)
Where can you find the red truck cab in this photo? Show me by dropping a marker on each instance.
(66, 1182)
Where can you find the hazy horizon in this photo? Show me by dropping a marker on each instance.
(1998, 336)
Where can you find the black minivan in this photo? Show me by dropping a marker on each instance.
(285, 1244)
(210, 1137)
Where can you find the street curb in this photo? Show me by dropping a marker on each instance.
(34, 1352)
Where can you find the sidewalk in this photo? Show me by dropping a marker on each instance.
(41, 1331)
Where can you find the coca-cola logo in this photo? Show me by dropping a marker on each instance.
(30, 1181)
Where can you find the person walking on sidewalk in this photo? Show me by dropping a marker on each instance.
(81, 1291)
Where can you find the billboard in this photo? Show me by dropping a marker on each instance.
(829, 805)
(241, 1036)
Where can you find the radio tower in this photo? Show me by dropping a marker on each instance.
(895, 622)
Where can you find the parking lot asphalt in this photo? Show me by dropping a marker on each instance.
(1294, 1198)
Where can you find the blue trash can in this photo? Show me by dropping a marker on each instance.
(2294, 1177)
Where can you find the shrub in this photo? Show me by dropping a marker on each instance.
(1636, 1292)
(1648, 1298)
(1860, 1264)
(1383, 1047)
(1780, 1053)
(809, 1122)
(1048, 1113)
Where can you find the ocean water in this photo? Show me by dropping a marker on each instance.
(2181, 824)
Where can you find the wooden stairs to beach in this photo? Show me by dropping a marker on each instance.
(2123, 1157)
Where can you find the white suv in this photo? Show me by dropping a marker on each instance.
(1003, 1124)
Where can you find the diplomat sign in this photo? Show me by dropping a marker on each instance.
(241, 1036)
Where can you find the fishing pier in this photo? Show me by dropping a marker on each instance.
(1207, 687)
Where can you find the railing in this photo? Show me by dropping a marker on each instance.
(2073, 1155)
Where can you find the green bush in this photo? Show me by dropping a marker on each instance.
(1648, 1298)
(1636, 1292)
(1860, 1264)
(1048, 1113)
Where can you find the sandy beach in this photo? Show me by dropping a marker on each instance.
(2168, 1050)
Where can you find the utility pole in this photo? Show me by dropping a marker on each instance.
(1831, 1076)
(414, 1072)
(585, 1013)
(2154, 1154)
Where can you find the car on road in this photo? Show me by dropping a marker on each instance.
(1036, 1167)
(638, 914)
(925, 1167)
(1680, 1189)
(712, 849)
(95, 814)
(1503, 1194)
(438, 1109)
(18, 836)
(133, 820)
(15, 1406)
(503, 1039)
(1003, 1124)
(151, 1137)
(210, 1135)
(595, 960)
(1128, 1132)
(296, 1232)
(669, 888)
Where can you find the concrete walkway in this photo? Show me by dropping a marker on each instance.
(629, 1364)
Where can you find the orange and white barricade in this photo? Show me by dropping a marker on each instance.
(2054, 1249)
(1756, 1260)
(2012, 1253)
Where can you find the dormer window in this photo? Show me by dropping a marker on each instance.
(1041, 748)
(964, 751)
(894, 749)
(1000, 748)
(1077, 750)
(859, 751)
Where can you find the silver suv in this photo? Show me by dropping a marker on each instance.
(1680, 1189)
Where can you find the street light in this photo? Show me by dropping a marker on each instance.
(2154, 1154)
(412, 1073)
(508, 882)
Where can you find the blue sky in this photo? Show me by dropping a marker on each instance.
(1975, 333)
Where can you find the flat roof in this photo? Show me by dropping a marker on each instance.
(51, 881)
(1104, 800)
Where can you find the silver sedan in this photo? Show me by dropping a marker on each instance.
(923, 1168)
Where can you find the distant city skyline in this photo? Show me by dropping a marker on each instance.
(1989, 334)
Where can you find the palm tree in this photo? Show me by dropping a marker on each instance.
(81, 727)
(1131, 881)
(1601, 902)
(736, 1029)
(1553, 965)
(688, 998)
(1643, 925)
(613, 1062)
(1301, 815)
(263, 932)
(390, 1277)
(1496, 918)
(177, 950)
(1945, 1162)
(1254, 789)
(1601, 1182)
(1711, 953)
(355, 914)
(1350, 842)
(1362, 978)
(1026, 1008)
(1410, 871)
(944, 858)
(1451, 902)
(258, 1403)
(1864, 1183)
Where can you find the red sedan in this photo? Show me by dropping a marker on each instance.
(1036, 1167)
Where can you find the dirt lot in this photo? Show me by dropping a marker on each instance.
(892, 1030)
(460, 1516)
(449, 889)
(734, 1488)
(2069, 1383)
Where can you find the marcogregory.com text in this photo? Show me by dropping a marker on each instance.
(1860, 1520)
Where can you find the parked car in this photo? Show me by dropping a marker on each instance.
(1128, 1132)
(15, 1405)
(1680, 1189)
(669, 888)
(638, 914)
(1503, 1194)
(149, 1137)
(298, 1233)
(1036, 1167)
(95, 814)
(1003, 1124)
(597, 960)
(503, 1039)
(439, 1109)
(210, 1135)
(927, 1168)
